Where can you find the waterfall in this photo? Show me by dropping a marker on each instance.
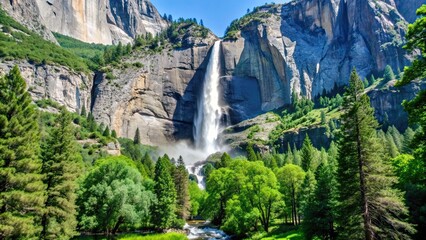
(207, 118)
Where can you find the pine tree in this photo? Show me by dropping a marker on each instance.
(61, 166)
(371, 80)
(289, 158)
(251, 155)
(148, 165)
(137, 138)
(416, 109)
(320, 212)
(388, 74)
(182, 191)
(113, 134)
(307, 154)
(83, 111)
(369, 208)
(163, 212)
(323, 118)
(307, 191)
(106, 132)
(225, 160)
(21, 185)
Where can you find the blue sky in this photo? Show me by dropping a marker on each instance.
(216, 14)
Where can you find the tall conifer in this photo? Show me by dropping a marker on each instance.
(21, 185)
(182, 191)
(370, 208)
(61, 167)
(163, 212)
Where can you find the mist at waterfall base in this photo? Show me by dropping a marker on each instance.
(207, 122)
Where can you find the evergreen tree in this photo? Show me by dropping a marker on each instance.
(372, 80)
(181, 186)
(83, 111)
(137, 138)
(91, 123)
(61, 168)
(289, 158)
(21, 185)
(307, 154)
(307, 191)
(113, 134)
(251, 155)
(388, 74)
(369, 208)
(323, 118)
(106, 132)
(416, 109)
(163, 212)
(148, 165)
(225, 160)
(320, 212)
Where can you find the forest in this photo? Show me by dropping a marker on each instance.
(57, 181)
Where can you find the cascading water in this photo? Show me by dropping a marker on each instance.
(207, 119)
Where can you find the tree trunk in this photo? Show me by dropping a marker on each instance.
(117, 225)
(364, 201)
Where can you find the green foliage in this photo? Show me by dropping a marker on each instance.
(248, 198)
(111, 195)
(20, 43)
(252, 131)
(220, 187)
(91, 53)
(224, 162)
(416, 37)
(388, 74)
(307, 154)
(233, 30)
(251, 155)
(370, 207)
(416, 108)
(197, 199)
(22, 192)
(181, 178)
(321, 210)
(61, 167)
(291, 179)
(137, 138)
(163, 212)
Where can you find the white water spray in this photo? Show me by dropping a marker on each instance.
(207, 119)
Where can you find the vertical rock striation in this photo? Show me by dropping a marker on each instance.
(157, 94)
(58, 83)
(309, 47)
(93, 21)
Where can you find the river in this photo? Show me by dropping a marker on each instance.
(201, 230)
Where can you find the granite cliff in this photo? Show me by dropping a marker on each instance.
(156, 93)
(309, 47)
(305, 47)
(61, 84)
(97, 21)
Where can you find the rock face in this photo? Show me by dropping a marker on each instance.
(309, 47)
(28, 14)
(58, 83)
(157, 94)
(389, 102)
(408, 8)
(102, 21)
(93, 21)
